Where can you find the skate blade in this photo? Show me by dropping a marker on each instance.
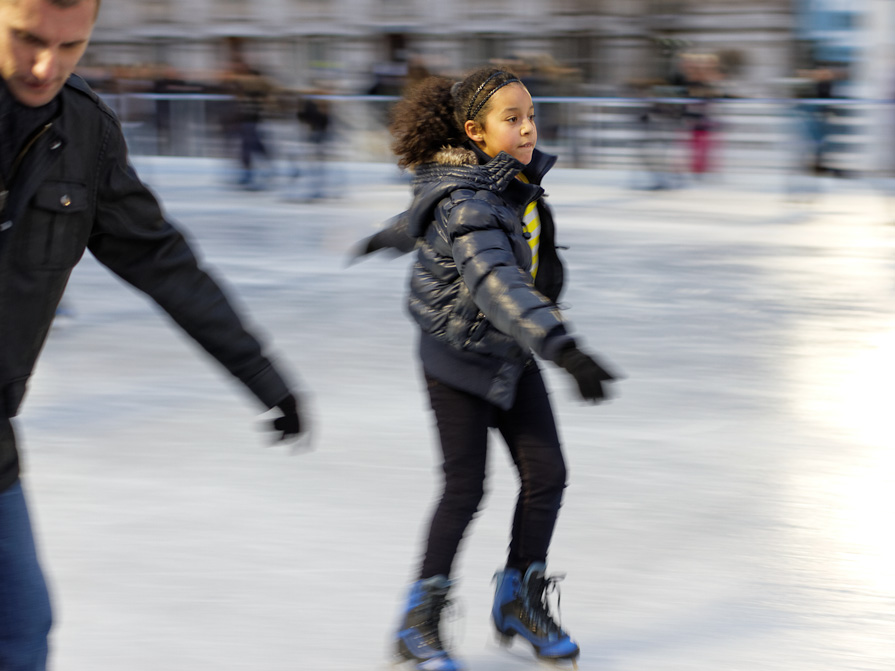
(401, 663)
(505, 642)
(565, 664)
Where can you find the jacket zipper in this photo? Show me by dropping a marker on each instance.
(4, 191)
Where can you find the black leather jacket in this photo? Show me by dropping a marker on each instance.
(471, 291)
(73, 189)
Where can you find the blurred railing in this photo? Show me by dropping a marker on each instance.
(746, 135)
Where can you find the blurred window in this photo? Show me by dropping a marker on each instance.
(393, 8)
(233, 9)
(840, 20)
(157, 11)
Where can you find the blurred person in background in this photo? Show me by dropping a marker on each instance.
(658, 122)
(65, 186)
(315, 115)
(254, 95)
(698, 78)
(484, 293)
(167, 83)
(816, 92)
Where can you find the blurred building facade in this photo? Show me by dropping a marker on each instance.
(352, 44)
(764, 50)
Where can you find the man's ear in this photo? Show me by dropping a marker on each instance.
(473, 131)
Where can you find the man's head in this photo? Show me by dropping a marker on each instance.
(41, 42)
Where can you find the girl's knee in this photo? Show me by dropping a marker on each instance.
(549, 480)
(554, 475)
(465, 496)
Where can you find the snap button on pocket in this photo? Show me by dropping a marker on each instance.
(62, 197)
(56, 145)
(59, 227)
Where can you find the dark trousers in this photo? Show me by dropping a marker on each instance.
(529, 430)
(25, 614)
(251, 143)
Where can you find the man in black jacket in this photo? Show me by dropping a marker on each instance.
(65, 186)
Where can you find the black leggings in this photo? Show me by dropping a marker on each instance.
(530, 432)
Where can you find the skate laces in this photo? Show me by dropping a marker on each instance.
(439, 607)
(537, 601)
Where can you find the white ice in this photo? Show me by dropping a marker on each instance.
(731, 509)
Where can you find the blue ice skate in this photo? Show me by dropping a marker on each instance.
(418, 639)
(521, 607)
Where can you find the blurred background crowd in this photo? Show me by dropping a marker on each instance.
(669, 87)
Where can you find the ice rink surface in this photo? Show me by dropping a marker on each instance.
(731, 509)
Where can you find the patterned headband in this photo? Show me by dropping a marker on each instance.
(470, 112)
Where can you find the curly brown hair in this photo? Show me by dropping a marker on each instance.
(421, 122)
(432, 114)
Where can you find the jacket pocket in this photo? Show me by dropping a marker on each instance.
(57, 226)
(475, 331)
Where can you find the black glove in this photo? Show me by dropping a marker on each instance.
(394, 237)
(364, 248)
(290, 423)
(369, 245)
(589, 375)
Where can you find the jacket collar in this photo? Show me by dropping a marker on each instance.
(539, 165)
(535, 170)
(19, 123)
(37, 132)
(467, 167)
(459, 167)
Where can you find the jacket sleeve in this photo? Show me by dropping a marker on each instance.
(501, 289)
(394, 236)
(133, 239)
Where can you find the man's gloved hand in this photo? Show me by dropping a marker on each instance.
(289, 424)
(589, 375)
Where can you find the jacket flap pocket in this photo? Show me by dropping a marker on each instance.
(61, 197)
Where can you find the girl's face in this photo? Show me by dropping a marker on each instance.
(509, 124)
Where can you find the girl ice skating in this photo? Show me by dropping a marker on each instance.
(484, 293)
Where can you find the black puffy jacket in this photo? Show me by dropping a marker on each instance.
(471, 291)
(74, 189)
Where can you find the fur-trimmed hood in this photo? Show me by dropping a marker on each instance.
(461, 167)
(456, 156)
(470, 154)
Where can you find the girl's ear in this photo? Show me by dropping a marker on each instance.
(473, 131)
